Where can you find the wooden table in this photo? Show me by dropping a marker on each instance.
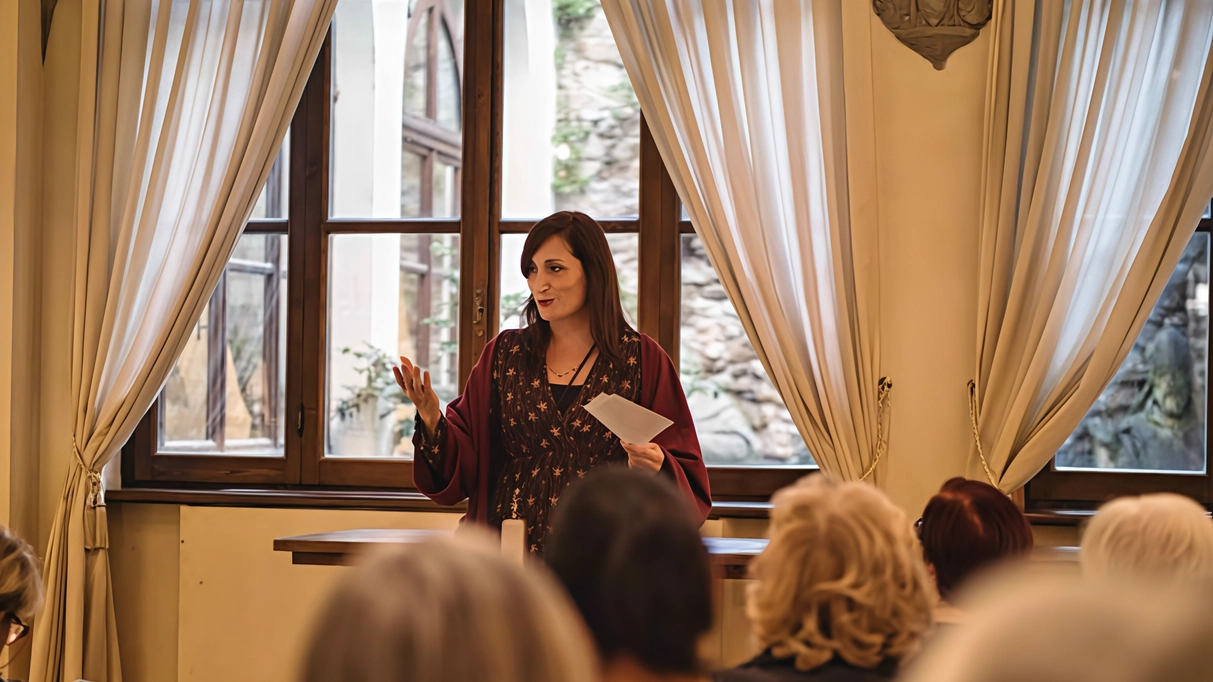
(729, 556)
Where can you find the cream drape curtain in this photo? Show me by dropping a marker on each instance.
(1099, 126)
(183, 104)
(746, 101)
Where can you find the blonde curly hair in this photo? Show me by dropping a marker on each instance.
(842, 576)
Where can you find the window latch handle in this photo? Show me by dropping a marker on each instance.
(478, 319)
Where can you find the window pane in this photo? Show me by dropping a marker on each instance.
(225, 394)
(389, 295)
(275, 195)
(1152, 415)
(448, 86)
(740, 418)
(396, 108)
(571, 120)
(514, 292)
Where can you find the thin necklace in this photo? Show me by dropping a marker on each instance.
(559, 375)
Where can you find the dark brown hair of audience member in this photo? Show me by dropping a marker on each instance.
(967, 526)
(588, 243)
(626, 547)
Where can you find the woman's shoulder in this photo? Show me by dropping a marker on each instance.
(646, 343)
(509, 339)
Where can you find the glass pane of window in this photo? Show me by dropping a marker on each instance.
(225, 394)
(396, 108)
(1152, 416)
(740, 418)
(275, 195)
(1208, 211)
(571, 120)
(449, 86)
(514, 291)
(389, 295)
(415, 66)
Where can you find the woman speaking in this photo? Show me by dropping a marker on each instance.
(519, 433)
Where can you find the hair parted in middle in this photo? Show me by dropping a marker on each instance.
(588, 243)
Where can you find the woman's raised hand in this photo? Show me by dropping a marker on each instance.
(416, 387)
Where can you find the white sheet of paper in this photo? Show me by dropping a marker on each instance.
(631, 422)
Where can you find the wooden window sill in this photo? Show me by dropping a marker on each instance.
(416, 502)
(353, 499)
(287, 499)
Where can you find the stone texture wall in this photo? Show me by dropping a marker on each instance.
(597, 133)
(1152, 415)
(739, 414)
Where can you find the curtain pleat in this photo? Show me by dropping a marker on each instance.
(182, 108)
(747, 102)
(1099, 119)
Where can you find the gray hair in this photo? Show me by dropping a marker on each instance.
(448, 611)
(1153, 536)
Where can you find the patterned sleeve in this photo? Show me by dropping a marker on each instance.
(428, 446)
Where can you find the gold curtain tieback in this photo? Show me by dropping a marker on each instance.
(977, 431)
(882, 406)
(94, 478)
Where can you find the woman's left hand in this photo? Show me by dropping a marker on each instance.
(647, 457)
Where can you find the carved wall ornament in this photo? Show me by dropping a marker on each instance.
(934, 28)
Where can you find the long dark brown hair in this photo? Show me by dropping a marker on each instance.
(588, 243)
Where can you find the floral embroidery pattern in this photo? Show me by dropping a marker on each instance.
(542, 447)
(539, 445)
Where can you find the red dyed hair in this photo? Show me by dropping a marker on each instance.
(967, 526)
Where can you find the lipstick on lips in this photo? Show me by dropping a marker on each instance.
(543, 303)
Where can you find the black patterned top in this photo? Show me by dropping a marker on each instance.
(543, 450)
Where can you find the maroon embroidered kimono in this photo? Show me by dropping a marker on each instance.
(506, 448)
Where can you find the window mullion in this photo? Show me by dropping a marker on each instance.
(307, 337)
(659, 259)
(479, 235)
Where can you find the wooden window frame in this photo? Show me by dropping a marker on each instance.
(309, 227)
(1070, 489)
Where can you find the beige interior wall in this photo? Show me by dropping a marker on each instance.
(20, 266)
(928, 147)
(8, 215)
(201, 595)
(145, 565)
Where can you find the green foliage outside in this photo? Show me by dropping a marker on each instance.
(377, 382)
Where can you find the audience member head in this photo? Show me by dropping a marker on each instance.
(449, 610)
(1049, 626)
(969, 526)
(20, 585)
(842, 576)
(1152, 536)
(628, 550)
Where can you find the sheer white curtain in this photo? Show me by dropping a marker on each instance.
(1099, 125)
(183, 104)
(746, 101)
